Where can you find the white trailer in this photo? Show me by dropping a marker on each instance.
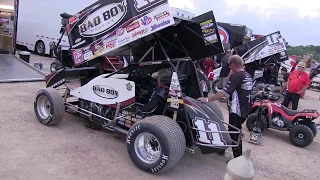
(39, 22)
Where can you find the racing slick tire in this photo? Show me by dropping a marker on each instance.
(250, 122)
(155, 144)
(49, 106)
(215, 85)
(301, 135)
(216, 109)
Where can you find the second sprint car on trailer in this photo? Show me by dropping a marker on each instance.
(156, 139)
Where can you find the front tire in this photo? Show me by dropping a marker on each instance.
(216, 109)
(301, 135)
(49, 106)
(155, 144)
(252, 119)
(313, 128)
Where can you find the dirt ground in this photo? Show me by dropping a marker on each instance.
(70, 150)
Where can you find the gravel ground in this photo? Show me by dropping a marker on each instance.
(70, 150)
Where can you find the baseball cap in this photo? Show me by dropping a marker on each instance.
(301, 64)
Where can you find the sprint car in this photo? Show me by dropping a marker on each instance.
(156, 139)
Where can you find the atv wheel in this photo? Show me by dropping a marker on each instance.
(313, 128)
(216, 109)
(155, 144)
(252, 119)
(49, 106)
(301, 135)
(215, 85)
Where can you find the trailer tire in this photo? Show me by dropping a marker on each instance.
(54, 67)
(164, 136)
(49, 106)
(40, 48)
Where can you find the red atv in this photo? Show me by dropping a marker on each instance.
(267, 112)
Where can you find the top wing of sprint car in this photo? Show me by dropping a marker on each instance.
(131, 28)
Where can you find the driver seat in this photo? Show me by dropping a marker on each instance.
(291, 112)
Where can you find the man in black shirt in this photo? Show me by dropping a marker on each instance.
(285, 75)
(238, 90)
(225, 70)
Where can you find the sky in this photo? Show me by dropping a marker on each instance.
(297, 20)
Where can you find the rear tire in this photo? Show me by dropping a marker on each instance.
(216, 109)
(301, 135)
(49, 106)
(161, 135)
(215, 84)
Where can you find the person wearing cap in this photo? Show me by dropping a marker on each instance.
(298, 83)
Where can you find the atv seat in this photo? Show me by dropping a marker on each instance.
(66, 15)
(291, 112)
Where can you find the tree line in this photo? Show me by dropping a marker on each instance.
(302, 50)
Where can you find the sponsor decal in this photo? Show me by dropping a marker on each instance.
(209, 30)
(206, 22)
(111, 44)
(129, 86)
(146, 20)
(58, 83)
(98, 48)
(78, 56)
(103, 19)
(211, 39)
(120, 32)
(77, 41)
(86, 49)
(123, 40)
(156, 26)
(88, 55)
(207, 26)
(105, 91)
(132, 130)
(164, 160)
(137, 33)
(224, 35)
(109, 39)
(133, 26)
(76, 45)
(162, 15)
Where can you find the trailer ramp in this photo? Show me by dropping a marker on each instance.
(14, 69)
